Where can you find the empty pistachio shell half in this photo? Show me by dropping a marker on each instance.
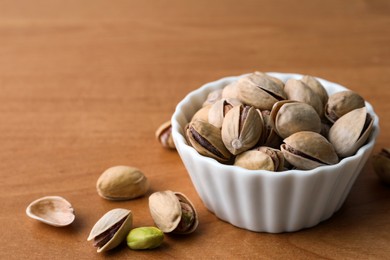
(308, 150)
(381, 163)
(173, 212)
(52, 210)
(144, 238)
(111, 229)
(122, 183)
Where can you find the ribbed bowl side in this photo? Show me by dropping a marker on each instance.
(266, 201)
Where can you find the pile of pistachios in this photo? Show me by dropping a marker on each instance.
(261, 122)
(172, 212)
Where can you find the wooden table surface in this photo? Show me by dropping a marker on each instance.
(85, 84)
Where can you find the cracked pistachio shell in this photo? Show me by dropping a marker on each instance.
(164, 135)
(206, 139)
(269, 138)
(276, 156)
(52, 210)
(341, 103)
(351, 131)
(241, 129)
(262, 158)
(299, 91)
(111, 229)
(259, 91)
(219, 109)
(308, 150)
(213, 97)
(122, 183)
(289, 117)
(173, 212)
(317, 88)
(381, 164)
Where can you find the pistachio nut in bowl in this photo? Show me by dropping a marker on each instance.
(290, 198)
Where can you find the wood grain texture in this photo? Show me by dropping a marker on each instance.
(84, 85)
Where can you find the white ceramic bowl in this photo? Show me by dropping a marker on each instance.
(260, 200)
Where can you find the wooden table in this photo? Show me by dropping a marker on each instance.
(85, 84)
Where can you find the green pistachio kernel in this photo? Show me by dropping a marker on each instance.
(144, 238)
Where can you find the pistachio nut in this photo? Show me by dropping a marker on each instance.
(207, 140)
(219, 109)
(299, 91)
(317, 88)
(52, 210)
(381, 163)
(144, 238)
(111, 229)
(241, 129)
(290, 116)
(351, 131)
(213, 97)
(259, 91)
(122, 183)
(164, 135)
(307, 150)
(262, 158)
(341, 103)
(173, 212)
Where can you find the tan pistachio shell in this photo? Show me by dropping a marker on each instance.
(206, 139)
(276, 156)
(230, 90)
(213, 97)
(307, 150)
(341, 103)
(122, 183)
(164, 135)
(351, 131)
(166, 211)
(317, 87)
(299, 91)
(270, 137)
(289, 117)
(259, 91)
(52, 210)
(262, 158)
(219, 109)
(241, 129)
(202, 114)
(107, 222)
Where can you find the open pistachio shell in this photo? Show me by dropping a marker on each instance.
(219, 109)
(299, 91)
(230, 91)
(308, 150)
(241, 129)
(111, 229)
(52, 210)
(259, 91)
(213, 97)
(289, 117)
(276, 156)
(173, 212)
(341, 103)
(317, 88)
(255, 160)
(206, 140)
(351, 131)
